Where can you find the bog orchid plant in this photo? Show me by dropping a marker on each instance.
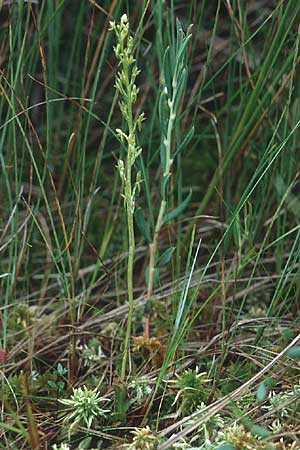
(125, 85)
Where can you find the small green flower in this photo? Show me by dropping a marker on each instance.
(85, 405)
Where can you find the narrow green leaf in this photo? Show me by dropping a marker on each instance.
(60, 369)
(85, 443)
(163, 156)
(61, 385)
(186, 139)
(177, 211)
(294, 352)
(166, 69)
(288, 334)
(261, 392)
(122, 403)
(259, 431)
(142, 224)
(180, 88)
(165, 257)
(292, 202)
(162, 110)
(155, 276)
(225, 447)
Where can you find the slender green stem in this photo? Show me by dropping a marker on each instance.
(130, 261)
(172, 92)
(163, 205)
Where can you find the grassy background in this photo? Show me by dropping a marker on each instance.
(63, 237)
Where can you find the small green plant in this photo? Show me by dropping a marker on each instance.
(59, 384)
(125, 85)
(285, 403)
(282, 405)
(144, 439)
(88, 443)
(240, 438)
(85, 407)
(61, 447)
(208, 429)
(91, 353)
(138, 390)
(191, 390)
(175, 75)
(204, 437)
